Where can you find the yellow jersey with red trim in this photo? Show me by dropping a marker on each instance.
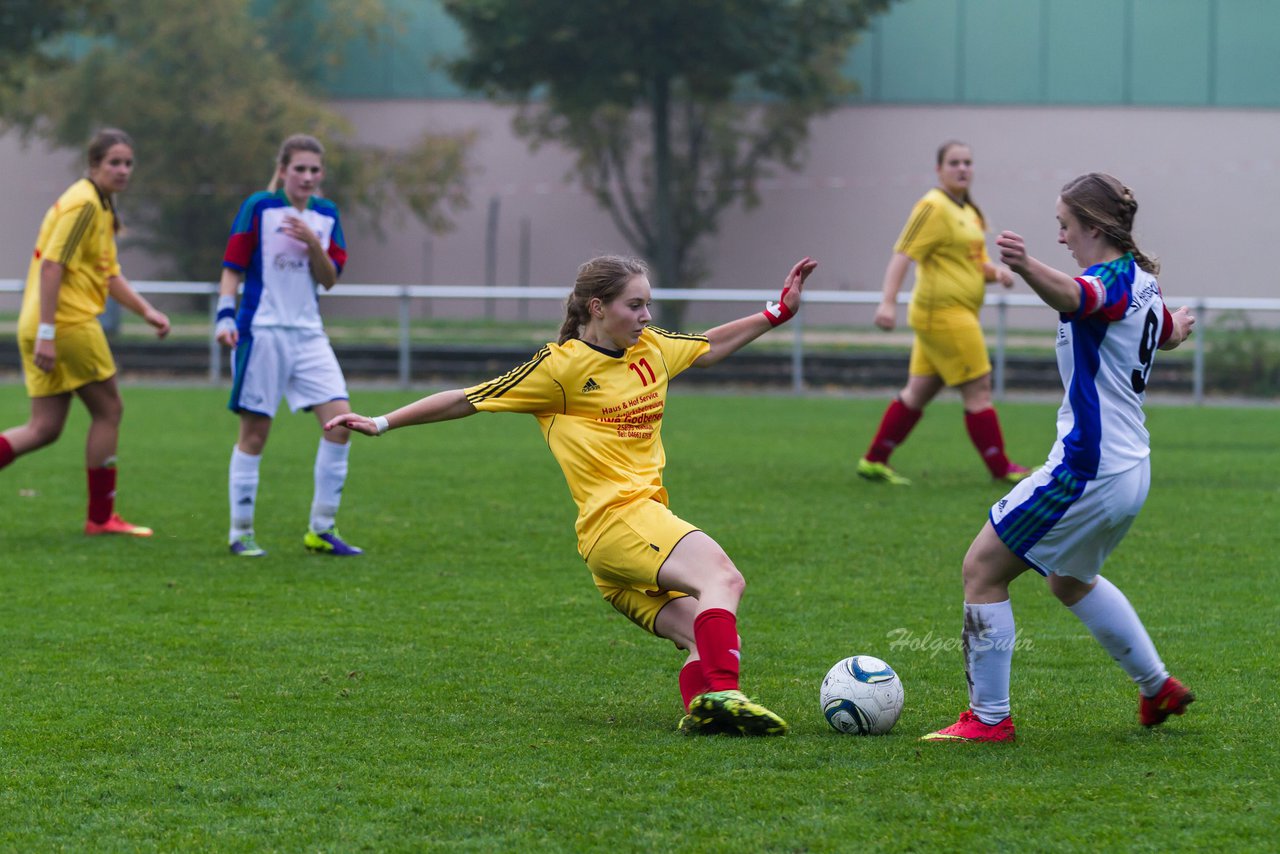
(946, 240)
(78, 232)
(601, 414)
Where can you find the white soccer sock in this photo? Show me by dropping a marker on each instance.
(331, 474)
(988, 637)
(242, 490)
(1106, 612)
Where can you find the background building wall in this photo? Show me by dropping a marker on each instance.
(1205, 176)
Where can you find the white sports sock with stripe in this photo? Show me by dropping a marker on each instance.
(242, 491)
(1109, 616)
(988, 637)
(330, 475)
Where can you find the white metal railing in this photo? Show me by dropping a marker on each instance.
(406, 294)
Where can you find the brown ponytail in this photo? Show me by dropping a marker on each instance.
(1101, 201)
(601, 278)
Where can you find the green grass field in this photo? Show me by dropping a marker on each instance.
(462, 686)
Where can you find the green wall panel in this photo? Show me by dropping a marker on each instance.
(1143, 52)
(1085, 49)
(1001, 51)
(918, 56)
(1171, 49)
(1247, 72)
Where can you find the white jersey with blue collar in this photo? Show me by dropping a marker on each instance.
(1105, 351)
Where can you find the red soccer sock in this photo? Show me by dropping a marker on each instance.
(715, 631)
(102, 493)
(984, 431)
(6, 452)
(894, 426)
(692, 682)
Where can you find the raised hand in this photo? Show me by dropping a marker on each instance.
(1183, 321)
(789, 302)
(1013, 251)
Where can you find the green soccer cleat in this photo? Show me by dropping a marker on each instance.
(880, 472)
(732, 710)
(690, 725)
(329, 543)
(247, 546)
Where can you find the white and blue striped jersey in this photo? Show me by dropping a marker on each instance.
(1105, 351)
(279, 289)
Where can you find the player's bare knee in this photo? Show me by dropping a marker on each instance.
(977, 578)
(727, 577)
(105, 409)
(44, 432)
(1069, 590)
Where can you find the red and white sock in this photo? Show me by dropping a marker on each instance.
(715, 631)
(6, 452)
(897, 422)
(984, 432)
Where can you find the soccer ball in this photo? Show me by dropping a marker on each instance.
(861, 695)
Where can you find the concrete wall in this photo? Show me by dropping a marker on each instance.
(1205, 179)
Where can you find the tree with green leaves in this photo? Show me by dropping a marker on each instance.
(29, 34)
(208, 90)
(676, 109)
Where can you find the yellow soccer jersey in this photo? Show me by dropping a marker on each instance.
(601, 414)
(79, 233)
(947, 243)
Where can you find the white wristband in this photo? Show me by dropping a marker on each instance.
(44, 332)
(380, 421)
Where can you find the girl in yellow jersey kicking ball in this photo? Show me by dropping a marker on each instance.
(599, 393)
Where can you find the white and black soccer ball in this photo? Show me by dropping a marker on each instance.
(861, 695)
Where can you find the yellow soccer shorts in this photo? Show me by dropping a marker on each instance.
(625, 559)
(948, 344)
(83, 357)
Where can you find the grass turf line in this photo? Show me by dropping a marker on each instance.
(462, 685)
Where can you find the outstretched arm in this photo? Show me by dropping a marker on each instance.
(730, 337)
(1056, 288)
(441, 406)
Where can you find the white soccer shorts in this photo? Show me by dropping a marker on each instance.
(297, 364)
(1062, 525)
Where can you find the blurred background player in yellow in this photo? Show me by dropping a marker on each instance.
(64, 349)
(945, 237)
(599, 394)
